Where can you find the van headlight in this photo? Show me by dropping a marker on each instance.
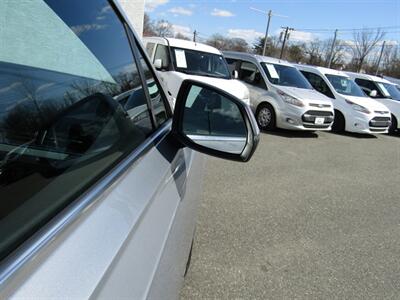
(358, 107)
(290, 99)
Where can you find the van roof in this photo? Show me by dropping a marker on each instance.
(321, 70)
(178, 43)
(368, 77)
(256, 57)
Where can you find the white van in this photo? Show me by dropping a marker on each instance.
(383, 91)
(280, 96)
(176, 60)
(354, 111)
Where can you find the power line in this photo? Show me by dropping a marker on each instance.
(348, 29)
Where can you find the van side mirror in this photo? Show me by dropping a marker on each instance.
(210, 120)
(158, 64)
(373, 94)
(235, 74)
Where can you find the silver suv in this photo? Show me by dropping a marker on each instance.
(99, 184)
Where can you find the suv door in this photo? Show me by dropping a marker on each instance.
(93, 187)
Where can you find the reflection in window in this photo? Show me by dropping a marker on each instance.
(72, 106)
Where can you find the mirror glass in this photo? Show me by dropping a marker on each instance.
(213, 120)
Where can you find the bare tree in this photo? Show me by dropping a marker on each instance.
(148, 26)
(224, 43)
(315, 52)
(163, 28)
(181, 36)
(364, 42)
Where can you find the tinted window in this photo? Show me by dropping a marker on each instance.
(249, 73)
(72, 106)
(163, 54)
(285, 75)
(318, 83)
(200, 63)
(392, 90)
(344, 85)
(368, 86)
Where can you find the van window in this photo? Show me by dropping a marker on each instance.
(249, 73)
(72, 107)
(150, 49)
(318, 83)
(368, 86)
(163, 54)
(285, 75)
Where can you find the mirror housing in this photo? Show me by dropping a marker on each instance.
(158, 64)
(373, 93)
(212, 121)
(235, 74)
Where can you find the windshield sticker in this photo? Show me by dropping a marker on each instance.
(343, 82)
(384, 90)
(272, 71)
(180, 58)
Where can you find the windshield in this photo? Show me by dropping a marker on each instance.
(389, 90)
(200, 63)
(345, 86)
(285, 75)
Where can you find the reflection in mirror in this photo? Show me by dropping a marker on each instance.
(212, 120)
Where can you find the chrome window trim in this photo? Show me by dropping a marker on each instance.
(28, 249)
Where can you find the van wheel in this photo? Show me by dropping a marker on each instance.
(339, 122)
(265, 116)
(393, 127)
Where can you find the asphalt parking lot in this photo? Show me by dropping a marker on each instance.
(312, 216)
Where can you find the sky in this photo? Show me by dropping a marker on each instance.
(235, 18)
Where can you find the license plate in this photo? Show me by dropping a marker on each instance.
(319, 121)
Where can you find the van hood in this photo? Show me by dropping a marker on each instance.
(231, 86)
(305, 95)
(367, 102)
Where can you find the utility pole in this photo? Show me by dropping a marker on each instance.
(269, 14)
(286, 36)
(332, 48)
(266, 32)
(194, 36)
(380, 57)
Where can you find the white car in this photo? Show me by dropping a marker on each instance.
(383, 91)
(354, 111)
(280, 96)
(176, 60)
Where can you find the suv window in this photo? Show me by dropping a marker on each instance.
(249, 73)
(163, 54)
(318, 83)
(73, 106)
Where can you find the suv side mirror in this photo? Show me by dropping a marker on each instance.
(158, 64)
(373, 94)
(235, 74)
(210, 120)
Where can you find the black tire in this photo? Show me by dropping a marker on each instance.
(393, 127)
(339, 122)
(265, 116)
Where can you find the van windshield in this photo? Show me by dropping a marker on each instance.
(200, 63)
(285, 75)
(390, 90)
(345, 86)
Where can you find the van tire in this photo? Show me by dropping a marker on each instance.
(339, 123)
(265, 116)
(393, 126)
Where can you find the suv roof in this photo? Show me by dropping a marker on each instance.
(322, 70)
(183, 44)
(367, 77)
(256, 57)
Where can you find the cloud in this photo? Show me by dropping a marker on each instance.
(221, 13)
(180, 11)
(249, 35)
(302, 36)
(151, 5)
(184, 30)
(79, 29)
